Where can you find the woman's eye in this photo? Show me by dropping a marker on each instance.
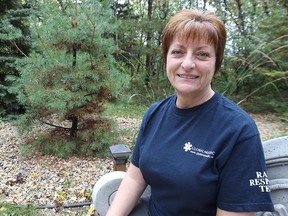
(176, 52)
(203, 55)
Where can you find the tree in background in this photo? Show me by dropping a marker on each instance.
(139, 40)
(14, 44)
(275, 44)
(71, 71)
(254, 68)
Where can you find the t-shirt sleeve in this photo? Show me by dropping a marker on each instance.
(136, 152)
(138, 145)
(243, 181)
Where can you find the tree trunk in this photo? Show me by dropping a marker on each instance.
(240, 23)
(266, 8)
(74, 61)
(204, 4)
(149, 37)
(74, 127)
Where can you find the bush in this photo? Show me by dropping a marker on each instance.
(260, 91)
(145, 93)
(9, 105)
(94, 137)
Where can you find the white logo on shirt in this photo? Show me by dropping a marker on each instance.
(188, 147)
(261, 181)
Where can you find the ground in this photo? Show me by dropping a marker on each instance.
(42, 180)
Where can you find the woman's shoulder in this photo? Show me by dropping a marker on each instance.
(162, 104)
(238, 116)
(232, 106)
(159, 107)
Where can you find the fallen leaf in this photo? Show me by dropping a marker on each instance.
(92, 211)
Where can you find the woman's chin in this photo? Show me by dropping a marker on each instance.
(186, 89)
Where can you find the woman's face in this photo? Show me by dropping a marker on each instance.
(190, 67)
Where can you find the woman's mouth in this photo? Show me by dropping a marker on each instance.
(187, 76)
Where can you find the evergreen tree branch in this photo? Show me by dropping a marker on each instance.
(57, 126)
(14, 43)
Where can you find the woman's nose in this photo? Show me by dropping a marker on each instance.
(188, 62)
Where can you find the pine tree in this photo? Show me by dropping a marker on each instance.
(71, 70)
(15, 43)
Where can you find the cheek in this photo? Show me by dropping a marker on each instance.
(169, 68)
(172, 65)
(210, 69)
(170, 73)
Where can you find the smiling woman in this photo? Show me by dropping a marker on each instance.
(190, 69)
(207, 28)
(196, 149)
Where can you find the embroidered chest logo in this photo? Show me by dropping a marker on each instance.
(260, 181)
(188, 147)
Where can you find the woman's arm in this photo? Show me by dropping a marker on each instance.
(130, 190)
(221, 212)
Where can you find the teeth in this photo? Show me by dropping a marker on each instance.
(188, 77)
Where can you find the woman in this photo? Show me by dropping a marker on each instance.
(200, 153)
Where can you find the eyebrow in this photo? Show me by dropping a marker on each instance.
(197, 47)
(202, 47)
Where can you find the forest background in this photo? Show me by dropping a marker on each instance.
(67, 60)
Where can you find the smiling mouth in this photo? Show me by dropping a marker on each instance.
(187, 76)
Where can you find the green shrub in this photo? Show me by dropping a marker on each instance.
(144, 93)
(258, 91)
(9, 105)
(11, 210)
(94, 137)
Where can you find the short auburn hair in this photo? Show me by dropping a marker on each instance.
(190, 24)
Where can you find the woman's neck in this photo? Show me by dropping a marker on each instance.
(189, 101)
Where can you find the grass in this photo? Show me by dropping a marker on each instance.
(7, 209)
(125, 110)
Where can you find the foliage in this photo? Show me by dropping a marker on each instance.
(260, 74)
(15, 42)
(138, 41)
(276, 43)
(263, 91)
(12, 210)
(94, 137)
(9, 105)
(257, 39)
(142, 93)
(70, 71)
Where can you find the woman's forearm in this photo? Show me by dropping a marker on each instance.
(226, 213)
(130, 189)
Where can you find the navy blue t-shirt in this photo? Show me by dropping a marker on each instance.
(201, 158)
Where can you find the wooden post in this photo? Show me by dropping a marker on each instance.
(120, 155)
(119, 167)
